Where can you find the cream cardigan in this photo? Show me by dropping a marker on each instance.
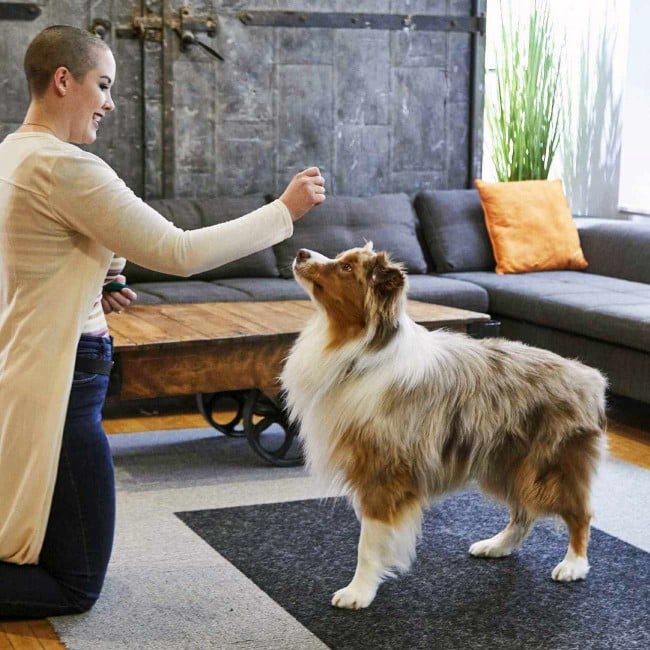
(63, 212)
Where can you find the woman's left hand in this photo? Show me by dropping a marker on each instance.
(115, 301)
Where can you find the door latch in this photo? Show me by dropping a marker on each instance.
(150, 28)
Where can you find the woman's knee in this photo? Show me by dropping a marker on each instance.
(81, 602)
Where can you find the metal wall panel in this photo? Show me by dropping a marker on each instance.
(376, 110)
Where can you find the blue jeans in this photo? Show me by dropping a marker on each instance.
(79, 534)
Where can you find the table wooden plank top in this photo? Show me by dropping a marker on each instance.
(155, 326)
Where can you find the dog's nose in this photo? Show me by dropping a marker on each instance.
(303, 254)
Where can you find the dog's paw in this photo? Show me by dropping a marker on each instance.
(570, 570)
(353, 598)
(490, 548)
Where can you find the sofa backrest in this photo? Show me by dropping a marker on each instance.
(190, 214)
(618, 249)
(344, 222)
(454, 231)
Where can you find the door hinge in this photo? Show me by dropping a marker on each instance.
(402, 22)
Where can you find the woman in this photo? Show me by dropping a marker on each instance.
(63, 215)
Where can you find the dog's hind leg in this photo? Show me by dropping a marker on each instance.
(563, 488)
(382, 547)
(508, 540)
(579, 462)
(575, 565)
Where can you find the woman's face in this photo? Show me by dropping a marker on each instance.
(91, 99)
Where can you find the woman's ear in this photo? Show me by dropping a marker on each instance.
(61, 80)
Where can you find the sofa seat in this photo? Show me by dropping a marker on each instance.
(448, 292)
(428, 288)
(266, 288)
(230, 290)
(594, 306)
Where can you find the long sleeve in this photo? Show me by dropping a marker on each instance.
(87, 196)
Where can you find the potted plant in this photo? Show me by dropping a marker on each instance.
(524, 119)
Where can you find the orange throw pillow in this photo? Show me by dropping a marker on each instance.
(530, 226)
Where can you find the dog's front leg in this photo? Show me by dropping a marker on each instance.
(373, 564)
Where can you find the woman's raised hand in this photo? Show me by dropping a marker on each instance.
(306, 189)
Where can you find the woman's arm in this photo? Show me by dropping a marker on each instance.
(88, 196)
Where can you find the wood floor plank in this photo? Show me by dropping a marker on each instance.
(44, 632)
(154, 423)
(629, 444)
(21, 636)
(5, 644)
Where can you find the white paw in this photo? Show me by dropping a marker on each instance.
(352, 597)
(570, 570)
(489, 548)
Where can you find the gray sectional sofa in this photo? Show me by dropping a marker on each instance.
(600, 315)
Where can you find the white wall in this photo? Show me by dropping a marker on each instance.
(594, 35)
(634, 190)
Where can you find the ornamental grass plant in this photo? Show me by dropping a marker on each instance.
(524, 120)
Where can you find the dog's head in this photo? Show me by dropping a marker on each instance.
(360, 290)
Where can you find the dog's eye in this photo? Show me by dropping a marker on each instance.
(346, 267)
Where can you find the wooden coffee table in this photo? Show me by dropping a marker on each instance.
(233, 351)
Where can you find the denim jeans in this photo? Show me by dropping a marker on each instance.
(79, 535)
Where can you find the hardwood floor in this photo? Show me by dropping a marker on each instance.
(28, 635)
(629, 440)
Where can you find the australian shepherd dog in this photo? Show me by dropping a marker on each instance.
(396, 415)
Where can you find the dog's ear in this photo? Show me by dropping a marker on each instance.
(368, 245)
(387, 278)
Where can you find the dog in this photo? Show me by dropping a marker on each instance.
(394, 415)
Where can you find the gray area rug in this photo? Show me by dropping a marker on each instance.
(167, 589)
(303, 551)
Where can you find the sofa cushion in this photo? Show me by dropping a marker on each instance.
(448, 292)
(343, 222)
(428, 288)
(596, 306)
(530, 226)
(266, 288)
(190, 214)
(186, 291)
(453, 229)
(627, 370)
(616, 248)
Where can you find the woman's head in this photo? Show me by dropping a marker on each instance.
(70, 72)
(60, 46)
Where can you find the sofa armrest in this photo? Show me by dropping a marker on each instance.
(615, 248)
